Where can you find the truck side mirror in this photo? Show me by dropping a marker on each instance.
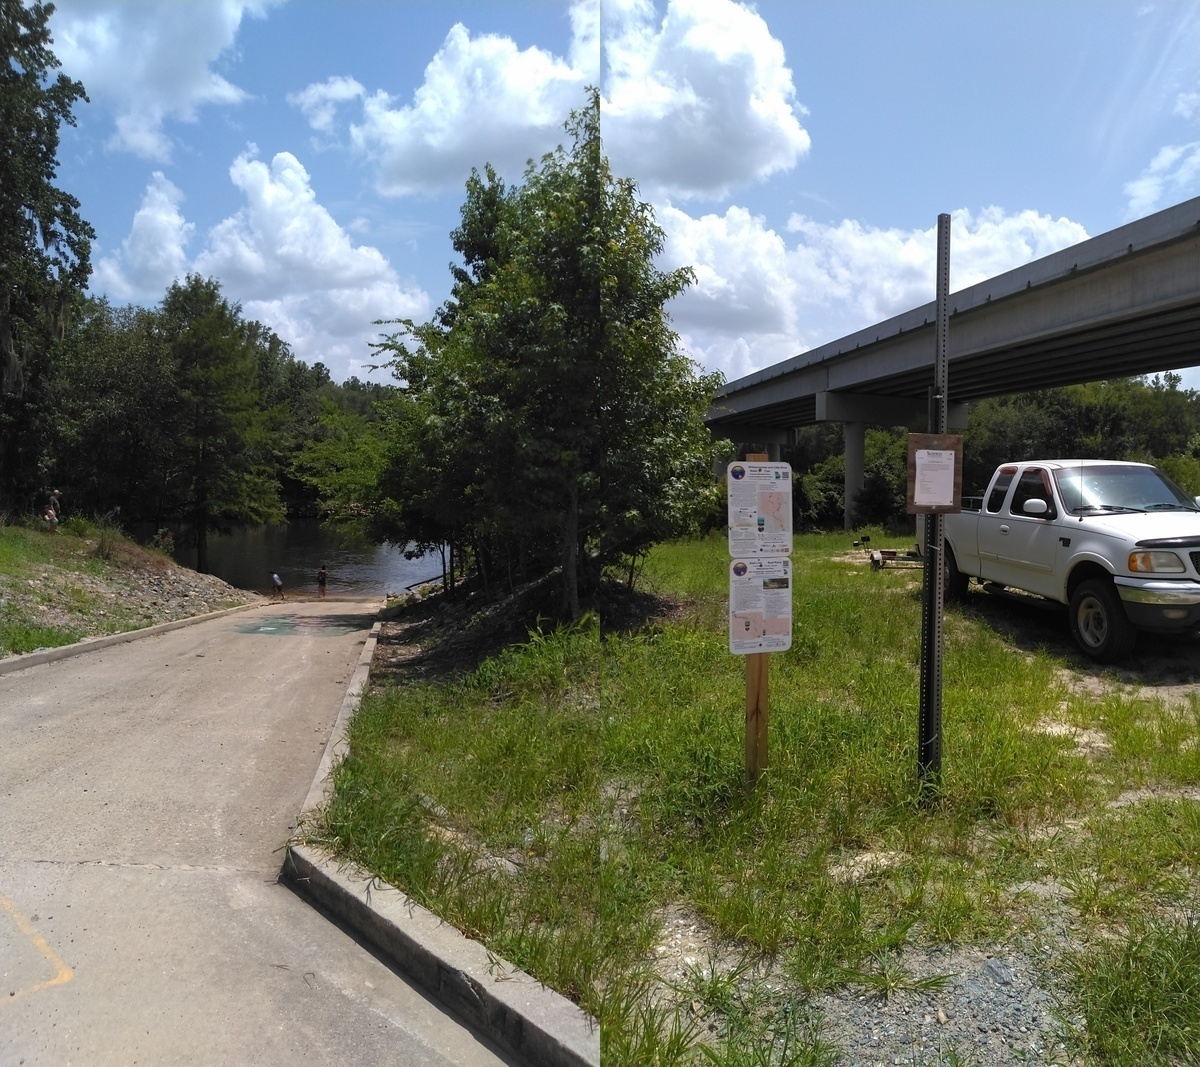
(1035, 507)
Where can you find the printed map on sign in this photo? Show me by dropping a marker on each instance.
(773, 511)
(760, 605)
(760, 508)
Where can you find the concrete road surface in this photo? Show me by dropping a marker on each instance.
(145, 791)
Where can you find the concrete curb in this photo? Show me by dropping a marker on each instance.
(337, 746)
(503, 1003)
(92, 644)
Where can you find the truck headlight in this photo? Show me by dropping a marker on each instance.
(1155, 563)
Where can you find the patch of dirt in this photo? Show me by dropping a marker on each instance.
(687, 947)
(1141, 796)
(433, 636)
(625, 612)
(1087, 742)
(862, 865)
(1152, 674)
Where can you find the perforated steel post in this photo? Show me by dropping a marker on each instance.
(929, 741)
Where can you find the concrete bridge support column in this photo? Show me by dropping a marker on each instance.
(854, 436)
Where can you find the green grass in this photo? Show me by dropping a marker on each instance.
(479, 798)
(1139, 995)
(19, 635)
(21, 549)
(557, 801)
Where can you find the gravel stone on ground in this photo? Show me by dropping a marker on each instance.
(993, 1011)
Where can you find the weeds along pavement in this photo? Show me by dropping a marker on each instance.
(576, 801)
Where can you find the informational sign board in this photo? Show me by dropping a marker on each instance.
(935, 464)
(760, 508)
(760, 604)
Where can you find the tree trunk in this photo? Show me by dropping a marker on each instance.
(201, 522)
(571, 554)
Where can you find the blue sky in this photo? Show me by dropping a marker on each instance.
(311, 154)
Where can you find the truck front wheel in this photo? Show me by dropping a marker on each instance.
(1099, 623)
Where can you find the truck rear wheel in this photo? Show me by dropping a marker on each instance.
(1099, 623)
(956, 582)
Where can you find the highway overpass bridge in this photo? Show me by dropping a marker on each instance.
(1121, 304)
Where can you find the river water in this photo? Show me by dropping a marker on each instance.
(247, 557)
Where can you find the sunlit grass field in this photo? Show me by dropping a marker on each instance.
(560, 801)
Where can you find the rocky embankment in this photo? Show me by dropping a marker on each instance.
(131, 590)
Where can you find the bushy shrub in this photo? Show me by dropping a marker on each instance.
(163, 541)
(1184, 471)
(819, 495)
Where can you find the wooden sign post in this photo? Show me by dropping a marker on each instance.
(760, 587)
(758, 684)
(758, 699)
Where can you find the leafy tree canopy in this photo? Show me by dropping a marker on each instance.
(44, 243)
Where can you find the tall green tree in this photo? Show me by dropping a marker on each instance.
(552, 418)
(45, 244)
(114, 392)
(223, 472)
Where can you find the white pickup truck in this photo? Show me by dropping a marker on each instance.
(1119, 543)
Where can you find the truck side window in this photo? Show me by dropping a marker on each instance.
(1004, 477)
(1034, 485)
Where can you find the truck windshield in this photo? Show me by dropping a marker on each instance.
(1092, 488)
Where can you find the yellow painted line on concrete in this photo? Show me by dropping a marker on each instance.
(63, 973)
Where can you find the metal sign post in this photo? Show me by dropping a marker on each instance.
(929, 740)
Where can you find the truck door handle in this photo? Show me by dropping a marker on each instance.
(1004, 528)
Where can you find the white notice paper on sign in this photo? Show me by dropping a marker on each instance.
(760, 508)
(934, 486)
(760, 605)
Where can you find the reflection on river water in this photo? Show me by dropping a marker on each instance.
(246, 558)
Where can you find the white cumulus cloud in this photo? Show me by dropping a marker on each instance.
(762, 296)
(700, 100)
(1172, 175)
(283, 257)
(318, 103)
(155, 251)
(150, 61)
(483, 100)
(293, 267)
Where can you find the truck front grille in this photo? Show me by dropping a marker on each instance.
(1195, 560)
